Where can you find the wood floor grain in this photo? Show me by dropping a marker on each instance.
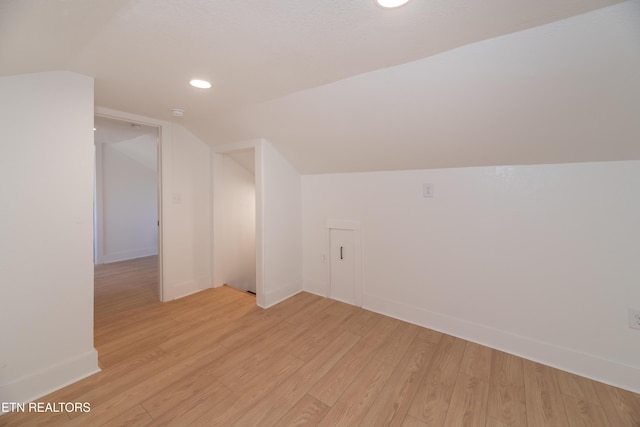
(215, 359)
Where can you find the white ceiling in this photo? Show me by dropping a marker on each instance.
(245, 158)
(110, 131)
(136, 141)
(278, 67)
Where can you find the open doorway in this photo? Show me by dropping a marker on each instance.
(235, 219)
(126, 204)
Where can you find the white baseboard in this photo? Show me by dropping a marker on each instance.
(126, 255)
(34, 386)
(316, 287)
(316, 293)
(566, 359)
(182, 289)
(279, 295)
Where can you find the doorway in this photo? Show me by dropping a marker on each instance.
(126, 196)
(342, 266)
(234, 214)
(345, 261)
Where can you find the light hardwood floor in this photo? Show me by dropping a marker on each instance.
(214, 358)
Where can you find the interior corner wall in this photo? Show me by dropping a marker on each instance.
(234, 224)
(280, 197)
(46, 233)
(539, 261)
(186, 212)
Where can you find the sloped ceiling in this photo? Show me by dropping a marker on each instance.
(138, 142)
(347, 86)
(110, 131)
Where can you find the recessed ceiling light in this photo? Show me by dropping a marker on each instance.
(388, 4)
(177, 112)
(201, 84)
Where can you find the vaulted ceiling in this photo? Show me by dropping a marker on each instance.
(344, 85)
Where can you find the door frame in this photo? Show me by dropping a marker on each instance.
(163, 132)
(257, 146)
(356, 227)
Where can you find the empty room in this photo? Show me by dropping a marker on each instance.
(356, 213)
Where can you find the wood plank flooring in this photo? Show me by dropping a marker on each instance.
(215, 359)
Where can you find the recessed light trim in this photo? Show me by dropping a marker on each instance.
(390, 4)
(200, 84)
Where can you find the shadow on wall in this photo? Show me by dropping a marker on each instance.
(235, 219)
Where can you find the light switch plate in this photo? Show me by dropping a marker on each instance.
(427, 190)
(634, 318)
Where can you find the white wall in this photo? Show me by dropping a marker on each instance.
(280, 202)
(540, 261)
(551, 94)
(185, 214)
(46, 233)
(128, 190)
(186, 183)
(234, 229)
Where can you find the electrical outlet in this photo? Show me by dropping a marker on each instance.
(634, 318)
